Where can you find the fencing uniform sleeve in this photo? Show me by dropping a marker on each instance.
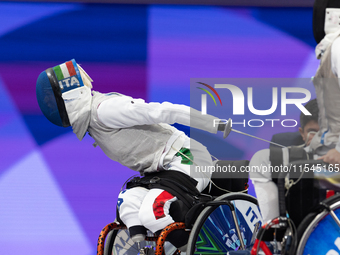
(335, 59)
(337, 147)
(335, 64)
(123, 112)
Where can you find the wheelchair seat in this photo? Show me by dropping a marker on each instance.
(303, 197)
(223, 181)
(297, 203)
(229, 175)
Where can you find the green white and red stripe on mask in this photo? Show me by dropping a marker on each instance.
(68, 75)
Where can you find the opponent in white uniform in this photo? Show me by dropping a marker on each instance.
(326, 143)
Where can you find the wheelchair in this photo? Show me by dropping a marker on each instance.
(317, 230)
(228, 222)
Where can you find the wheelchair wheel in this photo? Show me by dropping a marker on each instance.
(215, 232)
(118, 242)
(322, 236)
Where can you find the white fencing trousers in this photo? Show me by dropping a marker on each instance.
(150, 208)
(129, 203)
(266, 190)
(154, 212)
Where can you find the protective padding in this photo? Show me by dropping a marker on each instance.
(46, 99)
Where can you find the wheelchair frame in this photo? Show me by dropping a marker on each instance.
(309, 224)
(105, 248)
(305, 230)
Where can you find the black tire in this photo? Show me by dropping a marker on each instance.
(322, 234)
(207, 237)
(118, 242)
(109, 242)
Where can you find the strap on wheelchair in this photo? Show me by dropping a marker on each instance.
(178, 184)
(297, 205)
(276, 159)
(295, 153)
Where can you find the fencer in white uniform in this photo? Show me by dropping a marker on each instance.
(132, 132)
(326, 143)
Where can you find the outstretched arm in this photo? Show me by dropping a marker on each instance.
(333, 155)
(124, 111)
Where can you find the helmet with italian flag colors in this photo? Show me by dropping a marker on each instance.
(51, 85)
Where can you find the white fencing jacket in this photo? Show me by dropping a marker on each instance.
(136, 134)
(327, 87)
